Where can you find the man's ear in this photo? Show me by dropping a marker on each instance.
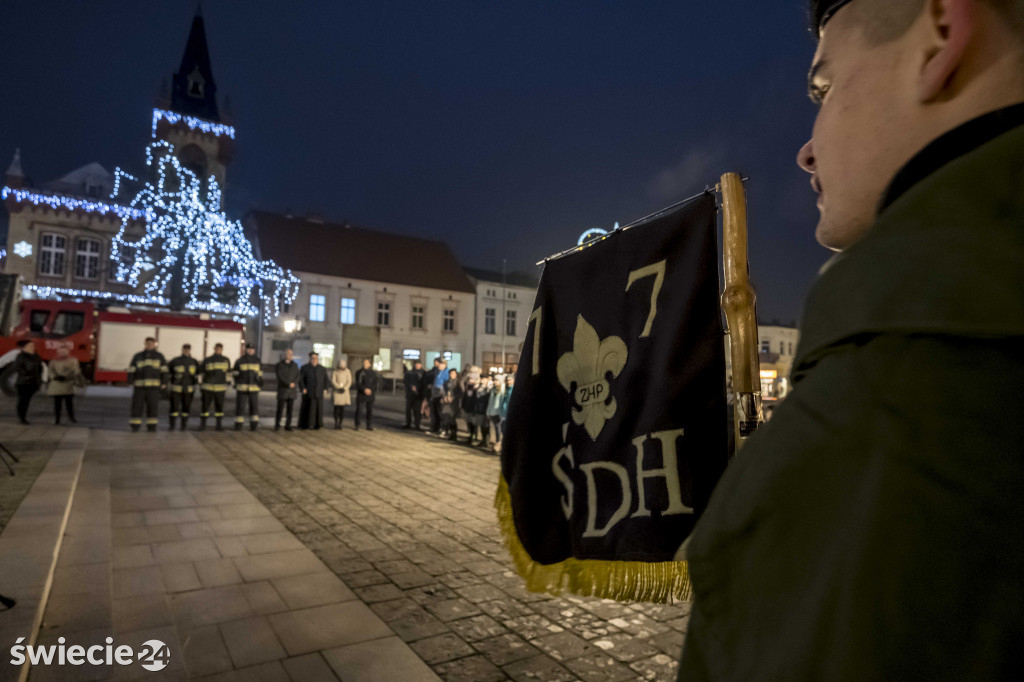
(951, 25)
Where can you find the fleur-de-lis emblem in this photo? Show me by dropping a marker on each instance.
(584, 372)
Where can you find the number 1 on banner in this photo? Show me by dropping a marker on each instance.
(657, 270)
(535, 317)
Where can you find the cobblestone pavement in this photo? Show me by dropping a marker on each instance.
(407, 522)
(32, 445)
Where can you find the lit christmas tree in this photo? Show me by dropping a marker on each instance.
(192, 255)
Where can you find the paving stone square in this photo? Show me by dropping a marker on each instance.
(323, 555)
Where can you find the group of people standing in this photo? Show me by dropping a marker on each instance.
(444, 397)
(313, 383)
(440, 394)
(150, 374)
(62, 376)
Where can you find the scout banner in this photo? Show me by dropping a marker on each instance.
(616, 429)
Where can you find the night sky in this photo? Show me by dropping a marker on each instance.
(504, 127)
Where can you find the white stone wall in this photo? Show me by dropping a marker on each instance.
(398, 336)
(502, 299)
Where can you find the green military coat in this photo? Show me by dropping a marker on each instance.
(874, 528)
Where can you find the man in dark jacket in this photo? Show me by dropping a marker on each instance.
(313, 384)
(871, 530)
(248, 374)
(435, 392)
(28, 377)
(413, 395)
(367, 384)
(214, 371)
(148, 374)
(287, 372)
(183, 371)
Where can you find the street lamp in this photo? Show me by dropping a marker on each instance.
(290, 326)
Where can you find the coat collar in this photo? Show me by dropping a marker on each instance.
(945, 257)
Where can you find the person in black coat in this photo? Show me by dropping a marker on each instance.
(287, 372)
(413, 395)
(313, 383)
(28, 370)
(367, 384)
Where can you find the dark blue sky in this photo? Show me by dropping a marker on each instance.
(504, 127)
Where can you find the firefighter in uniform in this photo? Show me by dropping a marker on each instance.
(214, 371)
(248, 376)
(147, 374)
(183, 370)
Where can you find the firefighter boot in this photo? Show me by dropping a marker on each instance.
(238, 426)
(184, 422)
(219, 427)
(253, 425)
(171, 427)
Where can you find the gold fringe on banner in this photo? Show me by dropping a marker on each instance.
(660, 582)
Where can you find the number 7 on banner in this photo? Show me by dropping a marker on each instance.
(656, 270)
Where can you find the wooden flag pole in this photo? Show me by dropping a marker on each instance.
(738, 303)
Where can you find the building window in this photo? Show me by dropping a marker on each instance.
(510, 323)
(491, 361)
(418, 313)
(87, 259)
(317, 308)
(449, 320)
(348, 311)
(782, 347)
(382, 360)
(120, 255)
(383, 314)
(51, 255)
(790, 347)
(766, 346)
(326, 353)
(489, 318)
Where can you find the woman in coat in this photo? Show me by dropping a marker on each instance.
(341, 380)
(450, 404)
(494, 400)
(28, 369)
(510, 382)
(65, 374)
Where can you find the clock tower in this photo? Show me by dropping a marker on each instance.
(190, 116)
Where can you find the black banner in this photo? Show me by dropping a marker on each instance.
(616, 428)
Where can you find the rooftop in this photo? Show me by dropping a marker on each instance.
(528, 280)
(314, 246)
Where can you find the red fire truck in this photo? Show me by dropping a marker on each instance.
(104, 341)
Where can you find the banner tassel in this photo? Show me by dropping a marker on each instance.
(662, 582)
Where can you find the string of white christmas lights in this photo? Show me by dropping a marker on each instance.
(56, 201)
(193, 237)
(192, 122)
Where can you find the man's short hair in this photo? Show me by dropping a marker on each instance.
(249, 346)
(150, 338)
(186, 346)
(883, 21)
(218, 345)
(314, 353)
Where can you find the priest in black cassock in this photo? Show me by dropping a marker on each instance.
(313, 383)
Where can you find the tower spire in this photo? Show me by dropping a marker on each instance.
(14, 170)
(193, 90)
